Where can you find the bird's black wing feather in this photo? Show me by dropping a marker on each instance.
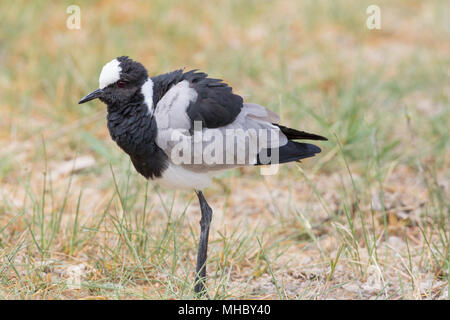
(163, 82)
(292, 151)
(216, 104)
(293, 134)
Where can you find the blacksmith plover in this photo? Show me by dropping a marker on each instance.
(180, 128)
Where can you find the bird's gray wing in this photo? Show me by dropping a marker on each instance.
(209, 149)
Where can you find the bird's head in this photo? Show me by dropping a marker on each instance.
(120, 81)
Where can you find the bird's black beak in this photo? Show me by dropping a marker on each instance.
(91, 96)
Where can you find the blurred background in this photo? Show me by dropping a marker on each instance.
(366, 218)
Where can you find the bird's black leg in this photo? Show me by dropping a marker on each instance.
(205, 221)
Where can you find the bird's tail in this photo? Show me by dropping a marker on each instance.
(293, 134)
(292, 151)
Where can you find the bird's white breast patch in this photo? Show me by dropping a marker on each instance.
(178, 177)
(147, 92)
(110, 73)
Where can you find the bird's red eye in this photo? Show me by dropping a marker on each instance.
(121, 83)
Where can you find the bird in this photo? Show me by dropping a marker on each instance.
(166, 124)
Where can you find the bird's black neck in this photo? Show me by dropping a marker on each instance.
(134, 130)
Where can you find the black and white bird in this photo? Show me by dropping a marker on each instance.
(157, 122)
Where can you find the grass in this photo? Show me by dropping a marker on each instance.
(365, 219)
